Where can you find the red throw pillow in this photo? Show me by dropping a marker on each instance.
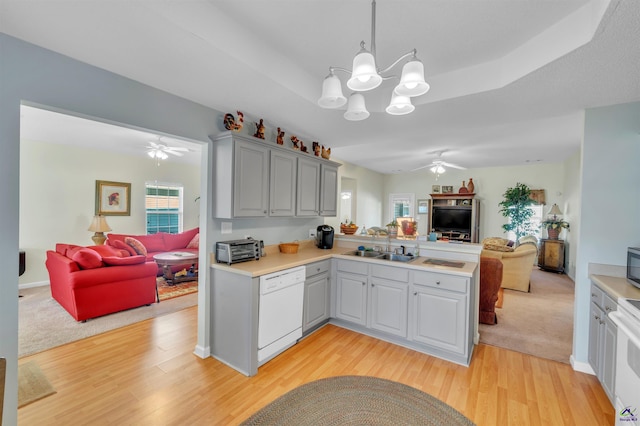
(119, 261)
(195, 242)
(105, 250)
(87, 259)
(137, 246)
(122, 246)
(71, 250)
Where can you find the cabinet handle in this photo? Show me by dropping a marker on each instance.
(415, 293)
(437, 282)
(597, 317)
(608, 308)
(593, 295)
(363, 283)
(272, 211)
(601, 322)
(265, 212)
(373, 285)
(318, 269)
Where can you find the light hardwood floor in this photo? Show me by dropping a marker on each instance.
(146, 374)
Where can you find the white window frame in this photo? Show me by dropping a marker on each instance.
(398, 197)
(169, 185)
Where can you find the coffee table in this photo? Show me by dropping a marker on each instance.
(168, 259)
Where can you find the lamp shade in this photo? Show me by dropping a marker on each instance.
(332, 96)
(365, 75)
(99, 224)
(356, 109)
(400, 105)
(412, 80)
(555, 210)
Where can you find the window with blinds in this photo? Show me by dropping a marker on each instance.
(163, 204)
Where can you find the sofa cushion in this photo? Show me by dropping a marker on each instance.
(194, 243)
(136, 245)
(126, 247)
(87, 259)
(179, 241)
(153, 243)
(104, 250)
(119, 261)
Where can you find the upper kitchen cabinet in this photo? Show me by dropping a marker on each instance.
(257, 178)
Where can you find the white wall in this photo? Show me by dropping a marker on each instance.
(609, 202)
(57, 196)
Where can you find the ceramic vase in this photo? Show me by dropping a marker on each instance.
(553, 233)
(463, 189)
(470, 186)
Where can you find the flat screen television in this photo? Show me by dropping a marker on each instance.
(451, 219)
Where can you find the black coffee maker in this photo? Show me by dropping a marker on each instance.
(324, 237)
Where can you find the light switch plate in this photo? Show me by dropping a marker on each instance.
(312, 233)
(225, 228)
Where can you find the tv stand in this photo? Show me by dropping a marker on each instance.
(463, 227)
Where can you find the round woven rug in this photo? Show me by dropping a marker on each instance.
(357, 400)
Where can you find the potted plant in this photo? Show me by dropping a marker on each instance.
(516, 206)
(554, 226)
(392, 228)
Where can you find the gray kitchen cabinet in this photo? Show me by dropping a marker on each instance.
(328, 190)
(255, 179)
(388, 303)
(308, 191)
(603, 339)
(316, 296)
(250, 180)
(440, 311)
(351, 291)
(282, 184)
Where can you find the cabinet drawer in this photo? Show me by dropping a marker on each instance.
(353, 266)
(597, 295)
(390, 273)
(317, 268)
(445, 282)
(608, 304)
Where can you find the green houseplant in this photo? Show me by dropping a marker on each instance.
(516, 206)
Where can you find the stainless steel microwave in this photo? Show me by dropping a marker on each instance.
(633, 266)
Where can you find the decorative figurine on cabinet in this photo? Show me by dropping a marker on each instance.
(326, 153)
(280, 137)
(259, 129)
(316, 149)
(230, 121)
(303, 148)
(295, 141)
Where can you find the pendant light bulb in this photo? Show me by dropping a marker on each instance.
(365, 75)
(356, 110)
(412, 81)
(332, 96)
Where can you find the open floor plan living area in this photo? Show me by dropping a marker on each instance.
(362, 212)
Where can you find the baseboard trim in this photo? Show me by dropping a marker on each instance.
(33, 284)
(583, 367)
(202, 352)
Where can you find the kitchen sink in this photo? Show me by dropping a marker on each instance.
(380, 255)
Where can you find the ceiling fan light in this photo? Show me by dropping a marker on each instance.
(151, 154)
(437, 169)
(332, 96)
(365, 75)
(400, 105)
(356, 109)
(412, 80)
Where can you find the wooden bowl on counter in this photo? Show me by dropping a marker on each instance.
(289, 248)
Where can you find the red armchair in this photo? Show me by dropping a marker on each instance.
(98, 280)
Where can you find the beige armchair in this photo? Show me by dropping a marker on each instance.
(517, 262)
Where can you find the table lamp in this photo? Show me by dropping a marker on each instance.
(555, 211)
(99, 225)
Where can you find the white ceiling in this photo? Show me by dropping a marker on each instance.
(509, 79)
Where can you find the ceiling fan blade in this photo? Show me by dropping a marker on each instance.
(422, 167)
(153, 145)
(179, 154)
(453, 166)
(169, 148)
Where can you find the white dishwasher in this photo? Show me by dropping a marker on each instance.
(280, 311)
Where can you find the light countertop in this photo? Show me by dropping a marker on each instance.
(616, 287)
(307, 253)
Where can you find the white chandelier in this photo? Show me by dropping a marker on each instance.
(365, 76)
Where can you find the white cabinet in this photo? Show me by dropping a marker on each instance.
(603, 339)
(316, 295)
(308, 192)
(282, 184)
(440, 311)
(253, 178)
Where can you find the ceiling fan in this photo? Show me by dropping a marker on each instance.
(438, 165)
(160, 150)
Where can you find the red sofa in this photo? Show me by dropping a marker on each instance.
(98, 280)
(161, 242)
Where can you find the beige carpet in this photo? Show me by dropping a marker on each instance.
(44, 324)
(538, 323)
(32, 384)
(357, 400)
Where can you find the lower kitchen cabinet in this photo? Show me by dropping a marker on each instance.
(603, 340)
(316, 295)
(389, 302)
(351, 298)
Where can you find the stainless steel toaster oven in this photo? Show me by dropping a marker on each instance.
(237, 251)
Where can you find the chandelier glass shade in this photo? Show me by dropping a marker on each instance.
(158, 154)
(365, 76)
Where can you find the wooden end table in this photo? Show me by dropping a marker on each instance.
(166, 260)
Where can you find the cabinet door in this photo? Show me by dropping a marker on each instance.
(328, 190)
(351, 300)
(282, 184)
(388, 306)
(608, 363)
(308, 191)
(250, 180)
(439, 318)
(595, 318)
(316, 301)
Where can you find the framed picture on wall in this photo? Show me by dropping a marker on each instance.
(113, 198)
(435, 189)
(447, 189)
(423, 206)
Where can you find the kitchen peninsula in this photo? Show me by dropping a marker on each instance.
(428, 304)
